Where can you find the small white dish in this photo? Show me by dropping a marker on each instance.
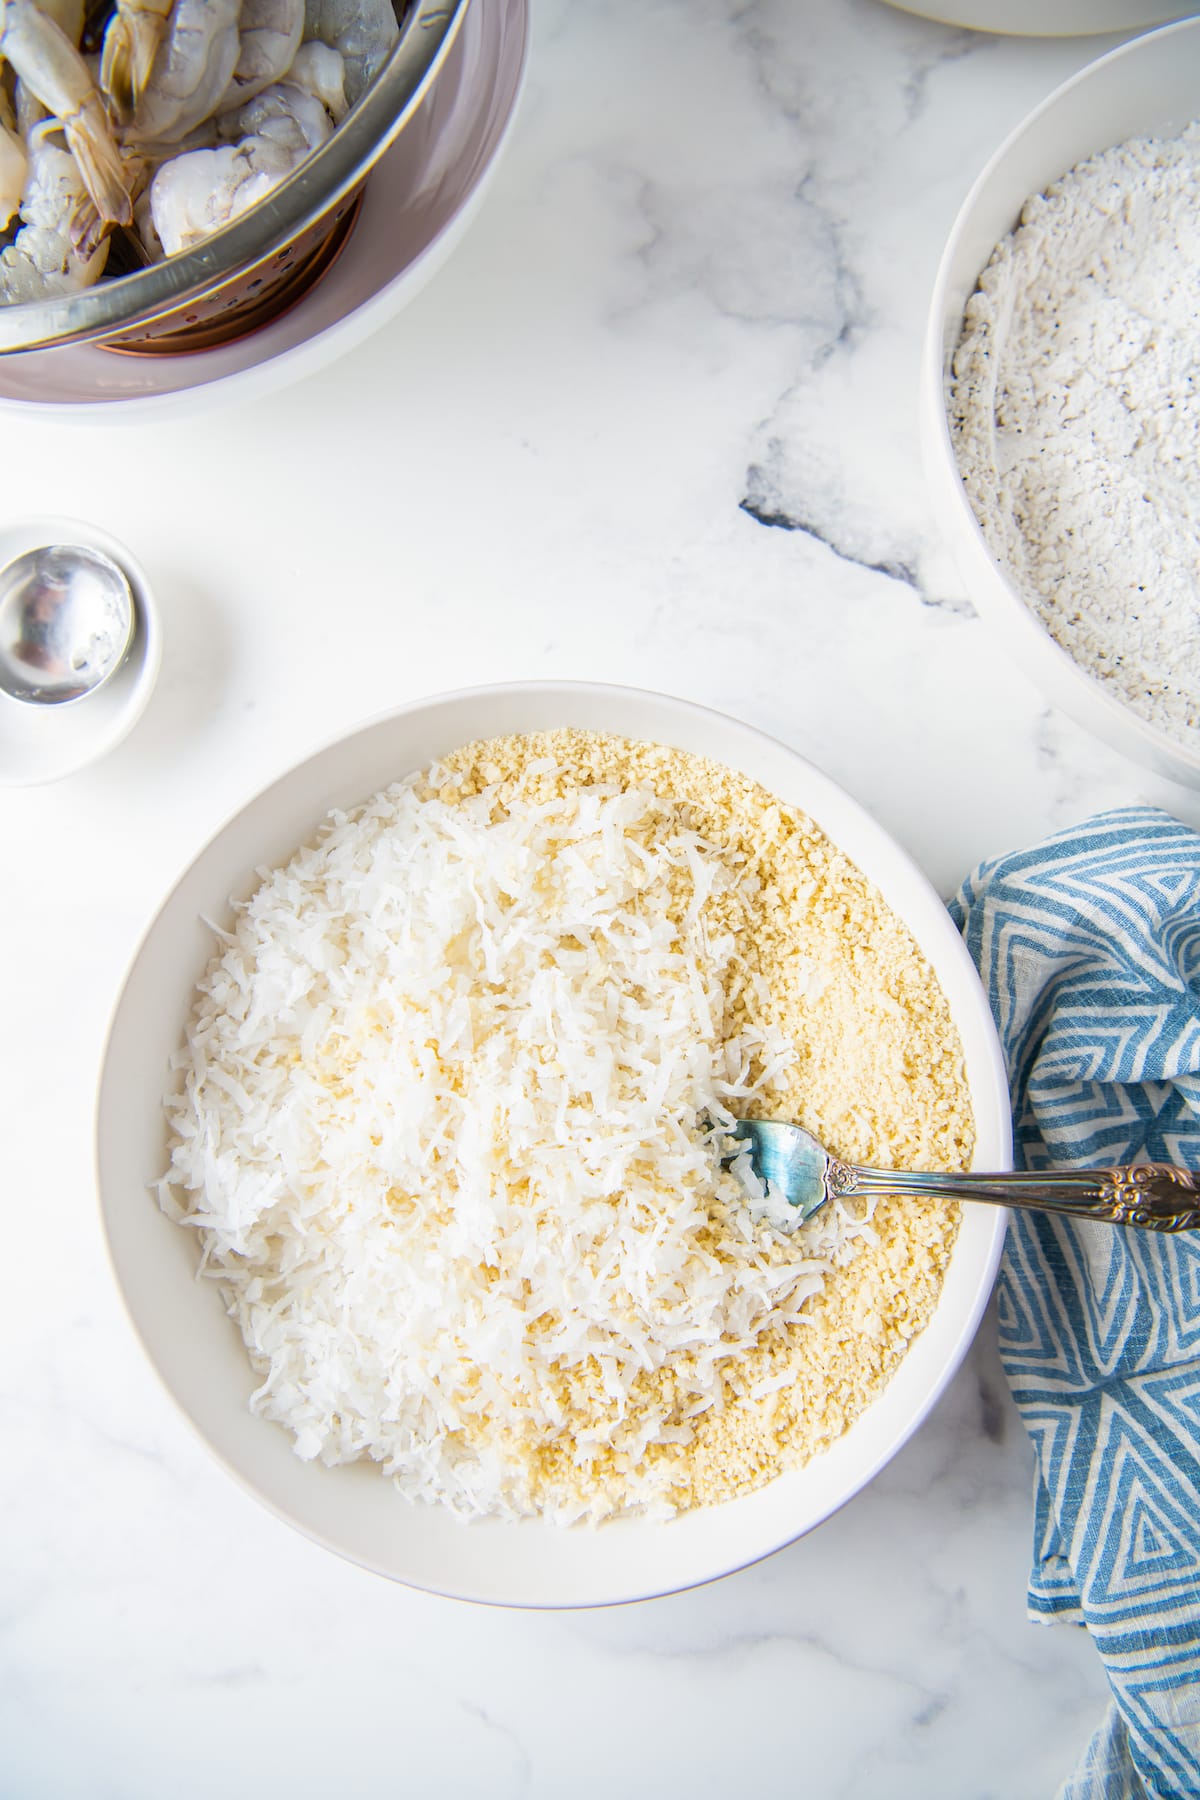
(1149, 86)
(417, 205)
(197, 1350)
(1049, 18)
(39, 744)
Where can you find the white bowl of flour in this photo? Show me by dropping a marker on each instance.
(1060, 413)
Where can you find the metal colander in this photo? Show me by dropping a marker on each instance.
(261, 263)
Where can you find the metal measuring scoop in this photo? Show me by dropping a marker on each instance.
(67, 618)
(800, 1169)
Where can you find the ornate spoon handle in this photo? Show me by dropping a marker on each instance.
(1155, 1195)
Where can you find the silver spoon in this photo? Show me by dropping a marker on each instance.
(798, 1167)
(67, 619)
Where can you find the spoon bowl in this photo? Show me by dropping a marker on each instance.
(67, 619)
(797, 1168)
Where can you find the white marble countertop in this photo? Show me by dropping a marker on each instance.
(653, 423)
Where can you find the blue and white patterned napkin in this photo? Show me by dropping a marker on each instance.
(1089, 947)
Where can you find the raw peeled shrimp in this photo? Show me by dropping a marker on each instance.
(47, 62)
(14, 162)
(198, 192)
(361, 31)
(43, 258)
(191, 72)
(321, 71)
(131, 43)
(269, 33)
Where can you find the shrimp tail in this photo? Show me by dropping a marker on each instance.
(99, 162)
(130, 46)
(88, 226)
(87, 230)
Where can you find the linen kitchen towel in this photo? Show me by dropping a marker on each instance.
(1089, 947)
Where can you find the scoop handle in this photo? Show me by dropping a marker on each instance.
(1156, 1196)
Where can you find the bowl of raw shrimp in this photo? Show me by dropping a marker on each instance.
(173, 173)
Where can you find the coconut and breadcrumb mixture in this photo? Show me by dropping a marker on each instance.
(440, 1128)
(878, 1077)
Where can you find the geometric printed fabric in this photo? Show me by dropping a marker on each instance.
(1089, 949)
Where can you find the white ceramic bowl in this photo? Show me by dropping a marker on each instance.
(1047, 18)
(39, 744)
(1148, 86)
(197, 1351)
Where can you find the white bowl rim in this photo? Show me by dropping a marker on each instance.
(990, 1095)
(1082, 695)
(1047, 18)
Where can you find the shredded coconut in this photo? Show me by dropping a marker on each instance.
(444, 1120)
(1075, 413)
